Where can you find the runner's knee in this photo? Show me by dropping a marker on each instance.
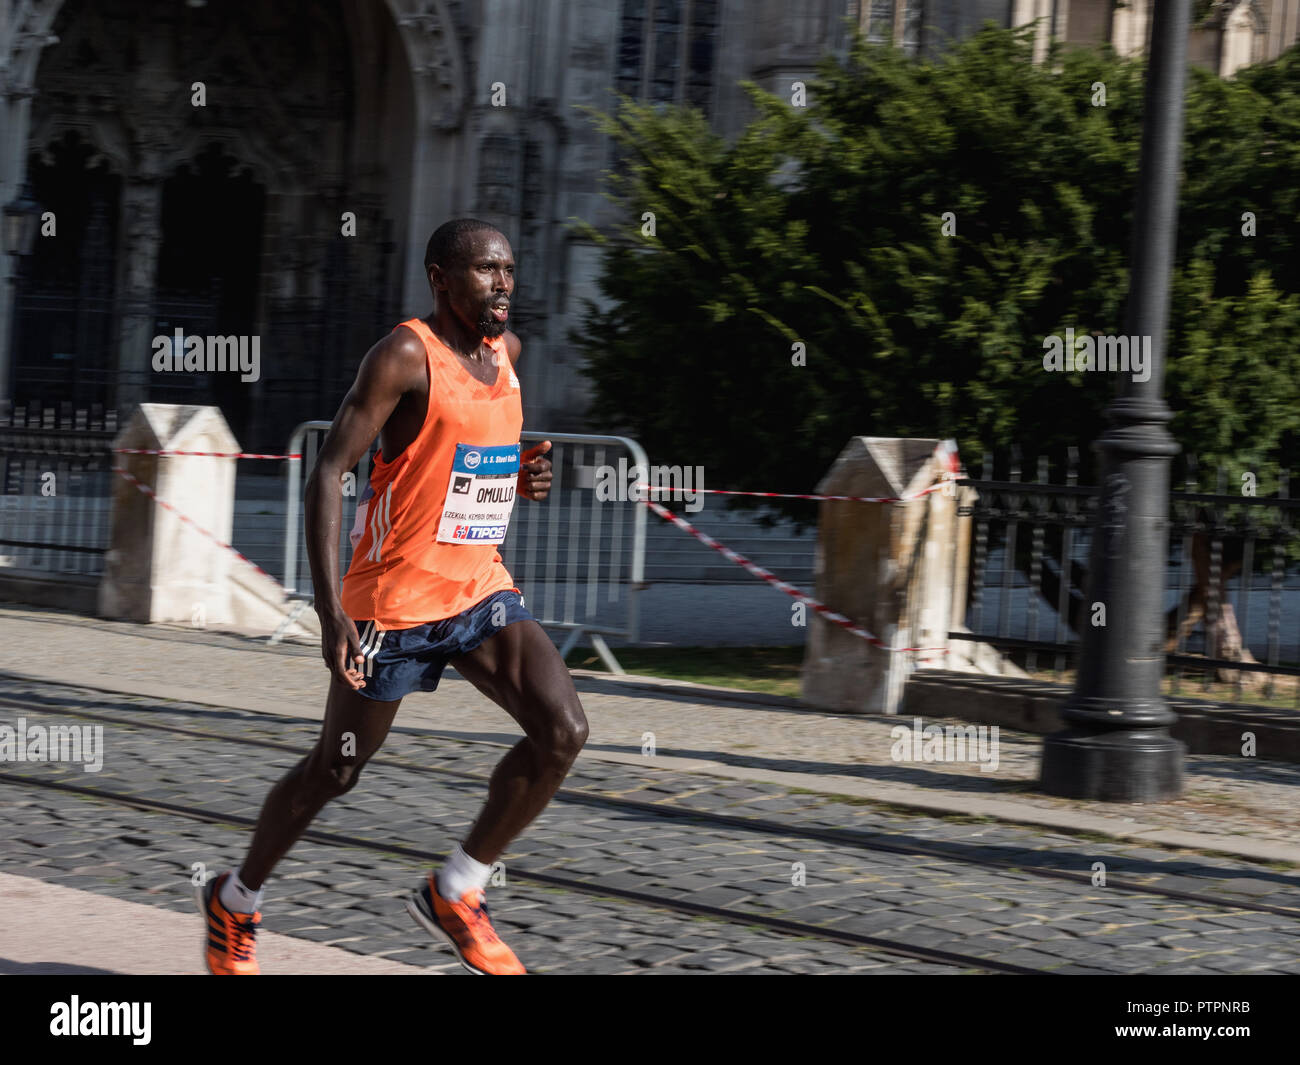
(343, 777)
(333, 777)
(565, 734)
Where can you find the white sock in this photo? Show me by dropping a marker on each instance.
(461, 874)
(236, 898)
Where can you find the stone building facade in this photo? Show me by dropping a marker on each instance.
(1226, 35)
(222, 168)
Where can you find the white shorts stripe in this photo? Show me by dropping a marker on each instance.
(364, 641)
(370, 658)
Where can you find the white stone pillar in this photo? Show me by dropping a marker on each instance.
(158, 568)
(887, 566)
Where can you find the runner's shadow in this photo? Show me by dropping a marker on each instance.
(9, 967)
(927, 773)
(594, 685)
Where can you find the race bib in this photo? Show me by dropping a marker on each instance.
(480, 495)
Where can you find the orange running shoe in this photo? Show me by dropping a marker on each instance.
(230, 949)
(466, 926)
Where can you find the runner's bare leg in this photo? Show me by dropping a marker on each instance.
(521, 671)
(325, 773)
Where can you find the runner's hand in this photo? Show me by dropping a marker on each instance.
(339, 643)
(535, 473)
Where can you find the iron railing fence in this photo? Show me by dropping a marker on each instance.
(55, 488)
(1232, 582)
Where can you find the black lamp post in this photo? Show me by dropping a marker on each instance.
(21, 220)
(1117, 745)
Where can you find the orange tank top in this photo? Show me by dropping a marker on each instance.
(436, 513)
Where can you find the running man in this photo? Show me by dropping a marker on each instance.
(426, 587)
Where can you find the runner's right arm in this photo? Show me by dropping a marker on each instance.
(389, 370)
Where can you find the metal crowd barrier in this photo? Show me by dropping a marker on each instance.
(578, 559)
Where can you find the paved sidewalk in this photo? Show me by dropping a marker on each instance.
(50, 929)
(1236, 806)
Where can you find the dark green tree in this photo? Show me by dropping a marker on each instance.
(824, 226)
(920, 228)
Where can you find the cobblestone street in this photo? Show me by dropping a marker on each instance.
(635, 867)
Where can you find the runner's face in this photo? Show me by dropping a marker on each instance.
(480, 286)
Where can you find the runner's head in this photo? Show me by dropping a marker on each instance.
(471, 272)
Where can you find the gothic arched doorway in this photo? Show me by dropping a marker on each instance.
(234, 139)
(64, 300)
(208, 275)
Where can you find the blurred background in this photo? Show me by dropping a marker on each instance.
(229, 168)
(791, 246)
(226, 218)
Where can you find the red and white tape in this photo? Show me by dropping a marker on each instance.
(946, 453)
(203, 454)
(789, 589)
(791, 495)
(191, 522)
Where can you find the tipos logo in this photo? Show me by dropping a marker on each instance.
(472, 459)
(478, 532)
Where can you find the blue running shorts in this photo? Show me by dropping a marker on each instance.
(401, 661)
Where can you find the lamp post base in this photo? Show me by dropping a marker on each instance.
(1135, 765)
